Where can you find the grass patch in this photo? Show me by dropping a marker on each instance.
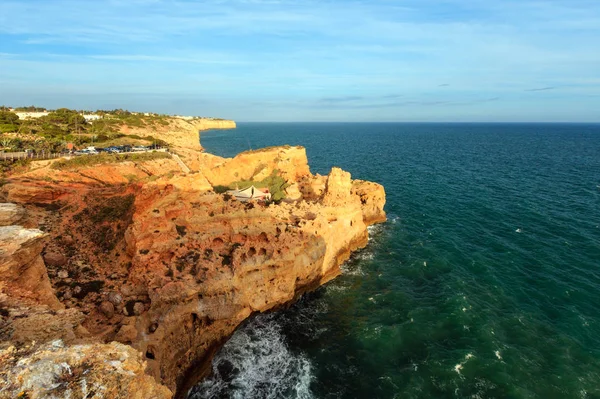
(14, 167)
(91, 160)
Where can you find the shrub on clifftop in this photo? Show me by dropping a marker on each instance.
(9, 122)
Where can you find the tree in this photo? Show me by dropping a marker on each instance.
(7, 117)
(62, 121)
(31, 108)
(9, 122)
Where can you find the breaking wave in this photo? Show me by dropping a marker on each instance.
(257, 363)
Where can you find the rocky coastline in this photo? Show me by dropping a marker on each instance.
(122, 280)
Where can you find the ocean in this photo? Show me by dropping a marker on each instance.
(483, 283)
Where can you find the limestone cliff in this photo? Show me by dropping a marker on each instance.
(290, 162)
(180, 133)
(170, 267)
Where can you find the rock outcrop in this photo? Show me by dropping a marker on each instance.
(10, 214)
(22, 269)
(290, 162)
(168, 266)
(54, 370)
(44, 185)
(39, 354)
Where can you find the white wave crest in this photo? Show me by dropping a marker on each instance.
(351, 269)
(256, 363)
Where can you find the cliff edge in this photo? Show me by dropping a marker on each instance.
(179, 133)
(154, 272)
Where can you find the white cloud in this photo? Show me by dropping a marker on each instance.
(306, 50)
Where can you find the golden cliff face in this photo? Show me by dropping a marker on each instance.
(209, 124)
(179, 267)
(181, 133)
(290, 162)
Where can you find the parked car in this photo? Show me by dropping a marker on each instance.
(125, 148)
(138, 148)
(115, 149)
(86, 151)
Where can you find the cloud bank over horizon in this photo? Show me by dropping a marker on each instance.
(306, 60)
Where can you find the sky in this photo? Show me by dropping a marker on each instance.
(305, 60)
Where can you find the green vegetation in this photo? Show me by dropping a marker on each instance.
(87, 160)
(111, 121)
(31, 108)
(53, 131)
(9, 122)
(275, 183)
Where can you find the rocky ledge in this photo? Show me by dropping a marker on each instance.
(133, 285)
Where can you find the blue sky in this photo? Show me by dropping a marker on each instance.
(328, 60)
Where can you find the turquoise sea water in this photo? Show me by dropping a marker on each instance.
(484, 282)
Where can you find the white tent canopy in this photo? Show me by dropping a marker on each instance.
(251, 194)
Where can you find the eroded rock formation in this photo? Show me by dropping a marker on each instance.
(168, 266)
(22, 269)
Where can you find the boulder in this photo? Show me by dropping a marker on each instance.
(55, 370)
(10, 214)
(22, 268)
(107, 309)
(115, 298)
(55, 259)
(138, 308)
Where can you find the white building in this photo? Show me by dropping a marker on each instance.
(30, 115)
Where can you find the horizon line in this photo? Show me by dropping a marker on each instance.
(435, 122)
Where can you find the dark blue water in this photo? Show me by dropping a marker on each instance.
(484, 282)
